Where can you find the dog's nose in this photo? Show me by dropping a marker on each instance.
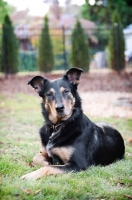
(59, 108)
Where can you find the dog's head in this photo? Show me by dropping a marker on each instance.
(58, 95)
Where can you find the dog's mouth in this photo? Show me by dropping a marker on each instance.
(60, 113)
(64, 115)
(61, 116)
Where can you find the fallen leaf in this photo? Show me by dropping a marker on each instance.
(36, 192)
(128, 154)
(1, 143)
(24, 156)
(27, 191)
(17, 195)
(130, 140)
(128, 196)
(23, 163)
(121, 184)
(31, 164)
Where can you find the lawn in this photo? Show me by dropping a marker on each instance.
(20, 120)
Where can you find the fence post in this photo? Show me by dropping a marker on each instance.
(4, 51)
(117, 46)
(99, 38)
(64, 47)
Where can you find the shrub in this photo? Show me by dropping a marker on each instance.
(46, 58)
(9, 54)
(116, 44)
(79, 51)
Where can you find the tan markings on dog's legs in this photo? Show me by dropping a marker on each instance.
(40, 159)
(64, 153)
(43, 150)
(47, 170)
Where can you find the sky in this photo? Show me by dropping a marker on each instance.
(38, 7)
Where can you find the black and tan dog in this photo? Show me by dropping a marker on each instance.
(70, 141)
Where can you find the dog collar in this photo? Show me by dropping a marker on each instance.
(56, 127)
(56, 131)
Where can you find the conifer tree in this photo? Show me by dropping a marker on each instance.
(79, 51)
(46, 57)
(116, 44)
(9, 54)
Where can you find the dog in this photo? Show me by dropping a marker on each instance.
(70, 140)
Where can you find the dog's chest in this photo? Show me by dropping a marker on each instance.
(63, 153)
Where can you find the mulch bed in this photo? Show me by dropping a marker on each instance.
(89, 82)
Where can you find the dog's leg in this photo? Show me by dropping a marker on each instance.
(52, 170)
(47, 170)
(41, 158)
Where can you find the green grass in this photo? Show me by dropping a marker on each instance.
(20, 120)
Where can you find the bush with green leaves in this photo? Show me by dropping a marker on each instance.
(46, 57)
(116, 44)
(28, 61)
(9, 53)
(79, 51)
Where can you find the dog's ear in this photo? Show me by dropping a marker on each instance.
(73, 75)
(37, 83)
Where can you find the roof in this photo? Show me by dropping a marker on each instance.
(30, 25)
(68, 22)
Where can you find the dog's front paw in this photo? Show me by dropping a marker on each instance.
(40, 159)
(32, 175)
(36, 174)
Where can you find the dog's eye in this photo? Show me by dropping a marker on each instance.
(66, 91)
(49, 94)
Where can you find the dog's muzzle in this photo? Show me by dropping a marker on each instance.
(59, 109)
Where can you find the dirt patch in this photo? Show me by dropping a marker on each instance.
(89, 82)
(105, 104)
(101, 93)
